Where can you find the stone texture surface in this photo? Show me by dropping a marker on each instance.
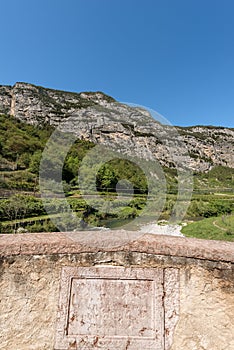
(5, 98)
(206, 312)
(171, 304)
(93, 241)
(198, 275)
(111, 307)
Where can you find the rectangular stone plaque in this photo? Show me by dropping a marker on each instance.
(110, 308)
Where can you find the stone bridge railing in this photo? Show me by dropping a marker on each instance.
(59, 292)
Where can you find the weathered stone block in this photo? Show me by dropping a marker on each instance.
(111, 307)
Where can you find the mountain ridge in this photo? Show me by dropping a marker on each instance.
(97, 117)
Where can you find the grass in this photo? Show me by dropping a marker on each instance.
(28, 220)
(218, 228)
(22, 180)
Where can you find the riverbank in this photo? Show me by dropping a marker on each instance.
(162, 229)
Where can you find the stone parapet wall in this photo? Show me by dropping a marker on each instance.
(59, 292)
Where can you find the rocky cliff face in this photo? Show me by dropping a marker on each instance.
(131, 130)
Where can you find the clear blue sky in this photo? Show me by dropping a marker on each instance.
(174, 56)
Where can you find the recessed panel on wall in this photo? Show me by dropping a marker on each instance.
(109, 307)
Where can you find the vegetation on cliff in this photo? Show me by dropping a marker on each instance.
(21, 148)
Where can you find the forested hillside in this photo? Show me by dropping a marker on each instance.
(30, 115)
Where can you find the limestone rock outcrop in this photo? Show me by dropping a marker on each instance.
(99, 118)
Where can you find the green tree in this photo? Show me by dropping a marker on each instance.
(35, 160)
(106, 178)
